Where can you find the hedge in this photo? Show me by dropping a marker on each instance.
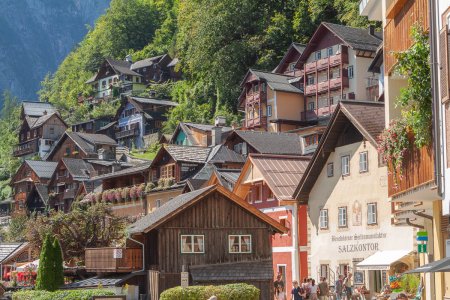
(61, 294)
(237, 291)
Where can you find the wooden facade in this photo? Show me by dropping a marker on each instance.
(402, 15)
(116, 260)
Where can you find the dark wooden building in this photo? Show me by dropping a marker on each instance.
(92, 125)
(154, 69)
(211, 233)
(29, 184)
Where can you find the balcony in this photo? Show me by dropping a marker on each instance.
(253, 97)
(312, 115)
(127, 133)
(69, 194)
(415, 180)
(311, 89)
(372, 92)
(322, 63)
(113, 260)
(311, 67)
(257, 122)
(26, 148)
(295, 73)
(328, 62)
(323, 86)
(401, 16)
(371, 9)
(336, 83)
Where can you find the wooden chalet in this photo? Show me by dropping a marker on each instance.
(192, 134)
(13, 255)
(30, 186)
(210, 233)
(92, 125)
(69, 175)
(83, 146)
(287, 65)
(139, 117)
(272, 102)
(268, 182)
(245, 142)
(224, 177)
(155, 69)
(41, 126)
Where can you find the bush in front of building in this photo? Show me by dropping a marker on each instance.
(235, 291)
(61, 294)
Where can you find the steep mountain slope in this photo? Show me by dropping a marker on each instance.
(36, 35)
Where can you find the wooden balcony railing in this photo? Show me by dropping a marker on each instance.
(260, 121)
(26, 148)
(417, 170)
(256, 97)
(127, 133)
(311, 67)
(114, 260)
(331, 61)
(323, 86)
(311, 89)
(402, 15)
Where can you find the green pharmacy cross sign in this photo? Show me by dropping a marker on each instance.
(422, 238)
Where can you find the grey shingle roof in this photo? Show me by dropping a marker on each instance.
(37, 109)
(357, 38)
(272, 142)
(238, 271)
(122, 66)
(277, 82)
(206, 127)
(97, 139)
(42, 190)
(222, 154)
(154, 101)
(188, 153)
(78, 168)
(166, 209)
(146, 62)
(111, 280)
(144, 167)
(43, 169)
(7, 249)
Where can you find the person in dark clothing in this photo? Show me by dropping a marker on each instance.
(278, 283)
(298, 293)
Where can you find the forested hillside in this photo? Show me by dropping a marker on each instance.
(215, 40)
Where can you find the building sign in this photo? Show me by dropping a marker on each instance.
(357, 242)
(184, 279)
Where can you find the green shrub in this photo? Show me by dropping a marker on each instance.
(61, 294)
(236, 291)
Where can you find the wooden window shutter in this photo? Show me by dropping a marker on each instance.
(444, 60)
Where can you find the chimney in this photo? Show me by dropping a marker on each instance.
(216, 136)
(45, 112)
(372, 30)
(220, 121)
(129, 59)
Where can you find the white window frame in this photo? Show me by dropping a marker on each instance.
(192, 236)
(329, 53)
(323, 218)
(240, 243)
(372, 217)
(318, 55)
(350, 72)
(345, 165)
(342, 217)
(330, 169)
(269, 110)
(363, 162)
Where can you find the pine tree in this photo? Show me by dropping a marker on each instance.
(58, 264)
(45, 277)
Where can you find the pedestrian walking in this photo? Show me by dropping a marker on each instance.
(298, 292)
(339, 287)
(281, 294)
(314, 288)
(348, 286)
(278, 283)
(324, 289)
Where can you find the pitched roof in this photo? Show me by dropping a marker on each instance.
(222, 154)
(144, 167)
(277, 82)
(299, 48)
(37, 109)
(226, 177)
(41, 120)
(206, 127)
(183, 201)
(97, 139)
(154, 101)
(109, 281)
(43, 169)
(188, 153)
(6, 249)
(122, 66)
(236, 271)
(146, 62)
(42, 190)
(78, 168)
(356, 38)
(281, 173)
(173, 63)
(271, 142)
(366, 117)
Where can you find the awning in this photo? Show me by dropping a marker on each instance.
(442, 265)
(382, 260)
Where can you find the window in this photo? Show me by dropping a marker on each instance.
(363, 164)
(330, 169)
(192, 244)
(324, 271)
(67, 150)
(342, 217)
(310, 80)
(318, 55)
(240, 243)
(256, 192)
(323, 219)
(167, 171)
(269, 110)
(330, 51)
(270, 195)
(255, 88)
(291, 67)
(345, 165)
(263, 87)
(371, 213)
(311, 106)
(350, 72)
